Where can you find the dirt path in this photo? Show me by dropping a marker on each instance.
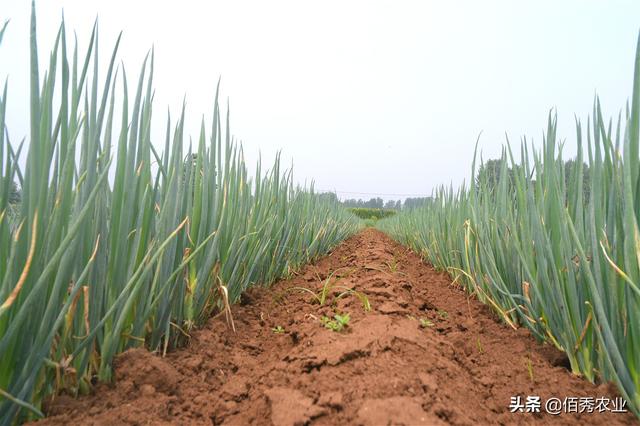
(462, 367)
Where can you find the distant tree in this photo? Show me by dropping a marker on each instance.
(411, 203)
(331, 196)
(489, 173)
(391, 204)
(353, 203)
(372, 203)
(571, 167)
(15, 194)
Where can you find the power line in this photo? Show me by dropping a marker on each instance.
(373, 193)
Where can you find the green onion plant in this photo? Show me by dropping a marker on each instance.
(551, 247)
(119, 242)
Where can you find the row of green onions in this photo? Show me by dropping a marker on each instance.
(117, 243)
(551, 247)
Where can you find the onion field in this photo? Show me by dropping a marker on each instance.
(116, 244)
(544, 252)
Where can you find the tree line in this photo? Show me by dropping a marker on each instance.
(379, 203)
(489, 173)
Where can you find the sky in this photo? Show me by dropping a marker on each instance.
(365, 98)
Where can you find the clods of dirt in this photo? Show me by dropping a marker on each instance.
(426, 353)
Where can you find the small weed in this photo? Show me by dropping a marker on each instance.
(530, 368)
(338, 323)
(424, 323)
(328, 285)
(278, 330)
(443, 314)
(480, 349)
(392, 265)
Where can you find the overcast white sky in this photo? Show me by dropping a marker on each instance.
(380, 97)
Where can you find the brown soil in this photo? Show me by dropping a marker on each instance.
(385, 369)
